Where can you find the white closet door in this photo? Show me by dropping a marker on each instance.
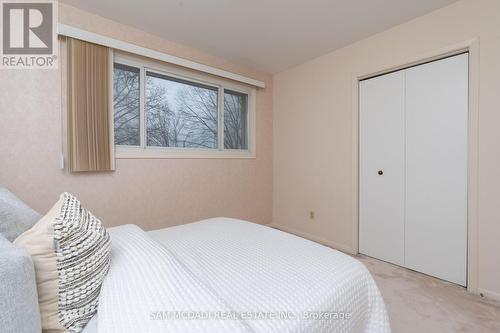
(381, 213)
(436, 163)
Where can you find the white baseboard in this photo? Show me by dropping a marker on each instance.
(489, 294)
(336, 246)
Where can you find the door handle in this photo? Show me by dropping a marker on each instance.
(380, 172)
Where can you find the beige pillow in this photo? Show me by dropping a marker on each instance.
(39, 242)
(71, 254)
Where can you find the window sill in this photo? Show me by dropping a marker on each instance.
(151, 153)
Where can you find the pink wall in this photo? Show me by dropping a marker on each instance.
(316, 99)
(151, 193)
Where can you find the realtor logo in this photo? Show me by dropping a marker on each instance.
(28, 34)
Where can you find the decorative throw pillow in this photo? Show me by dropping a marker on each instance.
(71, 252)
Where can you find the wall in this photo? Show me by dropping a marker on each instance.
(313, 128)
(150, 193)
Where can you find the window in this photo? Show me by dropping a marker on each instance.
(180, 113)
(235, 120)
(126, 105)
(159, 112)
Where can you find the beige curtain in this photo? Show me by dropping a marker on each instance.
(89, 145)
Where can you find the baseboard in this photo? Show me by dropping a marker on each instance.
(336, 246)
(489, 294)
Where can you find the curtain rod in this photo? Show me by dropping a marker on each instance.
(69, 31)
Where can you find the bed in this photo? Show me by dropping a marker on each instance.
(228, 275)
(216, 275)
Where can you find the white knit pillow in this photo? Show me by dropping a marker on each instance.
(71, 252)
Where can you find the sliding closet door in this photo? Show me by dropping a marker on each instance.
(381, 213)
(436, 168)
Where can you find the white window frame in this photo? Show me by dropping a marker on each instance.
(147, 152)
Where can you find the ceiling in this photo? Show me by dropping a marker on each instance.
(268, 35)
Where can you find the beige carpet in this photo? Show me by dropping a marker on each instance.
(420, 303)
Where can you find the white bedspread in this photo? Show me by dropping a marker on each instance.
(145, 280)
(265, 279)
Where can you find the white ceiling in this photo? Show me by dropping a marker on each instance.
(268, 35)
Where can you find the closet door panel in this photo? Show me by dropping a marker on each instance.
(381, 212)
(436, 168)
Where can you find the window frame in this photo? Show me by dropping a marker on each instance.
(149, 152)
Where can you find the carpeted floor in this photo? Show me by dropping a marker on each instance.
(420, 303)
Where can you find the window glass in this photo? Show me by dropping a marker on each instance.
(126, 97)
(235, 120)
(180, 113)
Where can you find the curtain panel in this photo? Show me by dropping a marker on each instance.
(90, 143)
